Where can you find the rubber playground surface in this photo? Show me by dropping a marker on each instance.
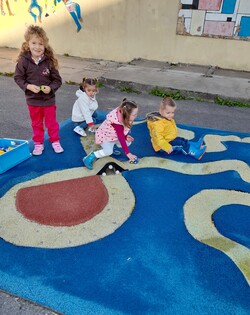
(171, 237)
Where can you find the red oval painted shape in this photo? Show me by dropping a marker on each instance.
(65, 203)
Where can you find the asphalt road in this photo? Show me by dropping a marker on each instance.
(15, 123)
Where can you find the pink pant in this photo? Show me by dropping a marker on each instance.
(40, 116)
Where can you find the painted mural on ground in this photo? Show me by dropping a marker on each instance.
(215, 18)
(39, 10)
(173, 227)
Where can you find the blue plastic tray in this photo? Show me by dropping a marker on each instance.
(18, 154)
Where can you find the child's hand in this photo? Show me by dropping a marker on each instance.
(45, 89)
(33, 88)
(170, 151)
(129, 138)
(131, 157)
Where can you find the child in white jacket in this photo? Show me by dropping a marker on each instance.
(84, 109)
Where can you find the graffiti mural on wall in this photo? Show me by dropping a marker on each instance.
(39, 11)
(8, 7)
(75, 12)
(215, 18)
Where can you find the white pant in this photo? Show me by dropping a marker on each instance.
(107, 148)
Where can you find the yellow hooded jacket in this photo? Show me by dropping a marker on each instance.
(162, 130)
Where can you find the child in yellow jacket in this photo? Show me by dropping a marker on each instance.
(164, 134)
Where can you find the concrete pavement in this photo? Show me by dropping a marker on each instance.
(13, 305)
(191, 80)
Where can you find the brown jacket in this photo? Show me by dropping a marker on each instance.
(27, 72)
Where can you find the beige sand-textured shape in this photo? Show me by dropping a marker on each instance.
(198, 211)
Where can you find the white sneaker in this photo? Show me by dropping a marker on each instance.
(80, 131)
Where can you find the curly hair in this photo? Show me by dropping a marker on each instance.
(126, 107)
(41, 34)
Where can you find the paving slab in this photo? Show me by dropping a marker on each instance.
(191, 83)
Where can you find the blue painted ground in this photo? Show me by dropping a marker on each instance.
(151, 264)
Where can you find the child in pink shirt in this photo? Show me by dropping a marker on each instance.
(114, 131)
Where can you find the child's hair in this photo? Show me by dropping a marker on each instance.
(41, 34)
(88, 81)
(167, 101)
(126, 109)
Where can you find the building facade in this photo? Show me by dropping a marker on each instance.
(214, 32)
